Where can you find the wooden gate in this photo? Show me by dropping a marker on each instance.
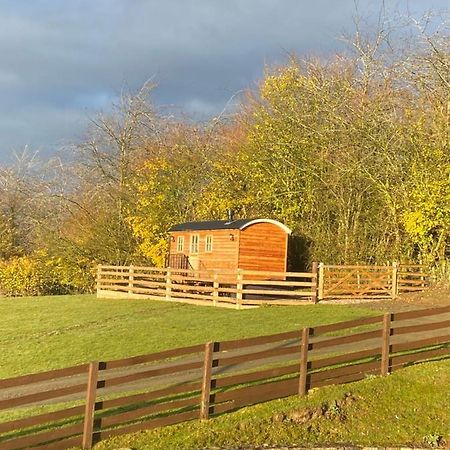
(413, 278)
(350, 282)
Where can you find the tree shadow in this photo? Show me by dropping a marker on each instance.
(299, 254)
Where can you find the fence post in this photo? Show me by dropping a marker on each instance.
(91, 391)
(206, 383)
(215, 288)
(130, 279)
(395, 280)
(302, 382)
(239, 287)
(385, 344)
(315, 271)
(321, 281)
(99, 272)
(168, 283)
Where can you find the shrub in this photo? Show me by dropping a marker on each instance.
(40, 274)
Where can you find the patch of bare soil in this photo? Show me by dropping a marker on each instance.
(432, 297)
(335, 410)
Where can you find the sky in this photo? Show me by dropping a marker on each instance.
(63, 61)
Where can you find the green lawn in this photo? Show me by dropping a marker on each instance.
(42, 333)
(408, 408)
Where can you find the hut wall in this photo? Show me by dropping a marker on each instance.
(224, 254)
(263, 246)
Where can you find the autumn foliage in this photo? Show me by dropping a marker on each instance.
(352, 153)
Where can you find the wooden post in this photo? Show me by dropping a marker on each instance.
(315, 271)
(130, 279)
(206, 384)
(168, 283)
(385, 344)
(216, 288)
(91, 391)
(239, 287)
(99, 272)
(395, 280)
(321, 281)
(422, 278)
(302, 382)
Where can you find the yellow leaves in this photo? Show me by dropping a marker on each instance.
(418, 226)
(282, 83)
(167, 189)
(40, 274)
(154, 250)
(426, 218)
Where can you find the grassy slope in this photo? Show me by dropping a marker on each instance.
(408, 408)
(49, 332)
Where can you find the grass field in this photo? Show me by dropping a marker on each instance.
(42, 333)
(408, 408)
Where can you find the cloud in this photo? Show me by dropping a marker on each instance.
(62, 61)
(41, 128)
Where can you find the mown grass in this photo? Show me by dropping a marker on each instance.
(43, 333)
(408, 408)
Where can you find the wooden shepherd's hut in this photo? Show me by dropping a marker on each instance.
(252, 244)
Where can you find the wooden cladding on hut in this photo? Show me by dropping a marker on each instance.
(252, 244)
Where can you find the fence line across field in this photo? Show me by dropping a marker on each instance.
(242, 288)
(81, 405)
(246, 288)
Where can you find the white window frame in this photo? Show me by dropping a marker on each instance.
(194, 243)
(180, 244)
(209, 243)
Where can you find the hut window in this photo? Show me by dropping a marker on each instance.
(180, 244)
(208, 243)
(194, 243)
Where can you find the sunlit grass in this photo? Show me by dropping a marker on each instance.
(407, 408)
(42, 333)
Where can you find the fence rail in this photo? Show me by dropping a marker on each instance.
(243, 288)
(239, 288)
(371, 282)
(78, 406)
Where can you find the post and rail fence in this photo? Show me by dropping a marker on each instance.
(241, 288)
(81, 405)
(245, 288)
(372, 281)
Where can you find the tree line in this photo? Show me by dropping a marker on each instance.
(351, 152)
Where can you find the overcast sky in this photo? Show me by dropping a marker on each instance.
(61, 61)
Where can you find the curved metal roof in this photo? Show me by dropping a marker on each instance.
(239, 224)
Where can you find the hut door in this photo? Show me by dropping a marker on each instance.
(194, 262)
(193, 251)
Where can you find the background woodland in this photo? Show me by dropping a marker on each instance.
(350, 151)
